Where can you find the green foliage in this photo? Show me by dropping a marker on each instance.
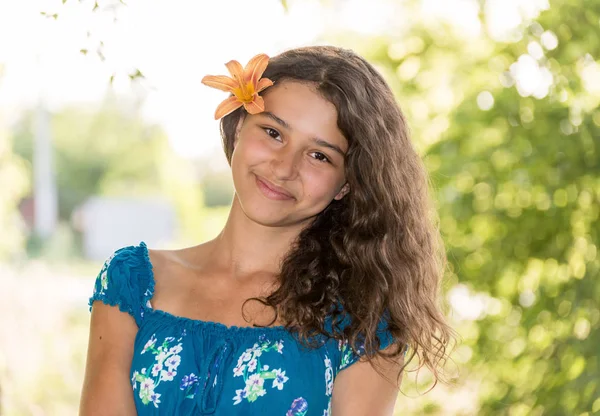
(112, 151)
(97, 151)
(518, 188)
(15, 185)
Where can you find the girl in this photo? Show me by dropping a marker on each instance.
(327, 270)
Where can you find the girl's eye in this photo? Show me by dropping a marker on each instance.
(321, 157)
(274, 134)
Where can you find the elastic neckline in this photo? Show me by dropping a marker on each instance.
(216, 326)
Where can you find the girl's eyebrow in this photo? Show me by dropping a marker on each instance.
(317, 140)
(277, 119)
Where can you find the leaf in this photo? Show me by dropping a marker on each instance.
(83, 51)
(50, 16)
(136, 74)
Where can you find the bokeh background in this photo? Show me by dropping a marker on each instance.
(107, 138)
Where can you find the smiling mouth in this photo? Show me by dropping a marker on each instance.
(271, 191)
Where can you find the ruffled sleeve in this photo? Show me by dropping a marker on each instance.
(125, 280)
(345, 356)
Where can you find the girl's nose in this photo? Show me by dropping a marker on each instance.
(285, 164)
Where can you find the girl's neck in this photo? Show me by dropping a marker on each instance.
(246, 248)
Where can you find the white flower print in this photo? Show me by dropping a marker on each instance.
(104, 280)
(150, 344)
(255, 380)
(154, 399)
(166, 362)
(254, 387)
(246, 356)
(176, 349)
(162, 355)
(239, 395)
(255, 374)
(173, 362)
(167, 375)
(279, 379)
(134, 379)
(156, 368)
(239, 370)
(147, 385)
(328, 376)
(104, 275)
(252, 364)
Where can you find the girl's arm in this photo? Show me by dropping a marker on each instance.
(107, 389)
(360, 390)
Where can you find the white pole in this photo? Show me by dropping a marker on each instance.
(45, 193)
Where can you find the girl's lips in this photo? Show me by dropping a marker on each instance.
(271, 191)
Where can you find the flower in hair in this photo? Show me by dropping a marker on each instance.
(244, 84)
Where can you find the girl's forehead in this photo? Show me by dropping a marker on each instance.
(302, 108)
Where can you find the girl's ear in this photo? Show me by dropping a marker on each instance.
(342, 193)
(238, 128)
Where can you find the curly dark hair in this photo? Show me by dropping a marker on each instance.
(377, 251)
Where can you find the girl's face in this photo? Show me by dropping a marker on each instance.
(288, 161)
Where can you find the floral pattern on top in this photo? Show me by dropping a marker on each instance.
(166, 362)
(104, 276)
(299, 407)
(249, 367)
(328, 384)
(347, 354)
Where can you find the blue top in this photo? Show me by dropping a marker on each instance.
(190, 367)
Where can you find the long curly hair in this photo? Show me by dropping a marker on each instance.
(377, 251)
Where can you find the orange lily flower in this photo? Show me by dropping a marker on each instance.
(244, 84)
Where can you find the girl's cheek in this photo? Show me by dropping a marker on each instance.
(320, 184)
(254, 147)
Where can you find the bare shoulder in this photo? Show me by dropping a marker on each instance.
(188, 258)
(368, 388)
(175, 272)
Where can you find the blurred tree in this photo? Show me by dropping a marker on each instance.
(112, 151)
(97, 151)
(510, 132)
(15, 185)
